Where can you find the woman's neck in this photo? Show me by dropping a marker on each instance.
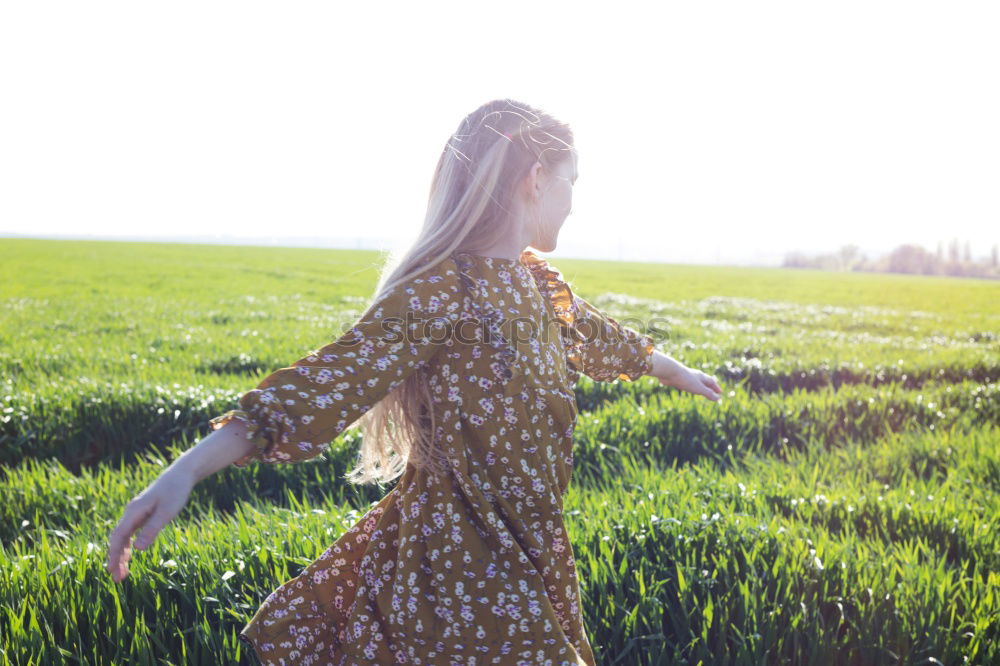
(510, 250)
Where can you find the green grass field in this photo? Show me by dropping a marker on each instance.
(839, 506)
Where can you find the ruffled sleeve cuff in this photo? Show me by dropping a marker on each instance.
(641, 363)
(254, 433)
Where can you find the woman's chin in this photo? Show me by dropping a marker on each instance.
(547, 245)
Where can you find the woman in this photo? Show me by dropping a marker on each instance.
(461, 373)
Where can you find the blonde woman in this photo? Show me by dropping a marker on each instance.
(461, 374)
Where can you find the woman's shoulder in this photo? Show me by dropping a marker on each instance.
(429, 275)
(444, 271)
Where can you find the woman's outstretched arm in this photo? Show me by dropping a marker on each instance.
(149, 511)
(605, 350)
(613, 351)
(295, 412)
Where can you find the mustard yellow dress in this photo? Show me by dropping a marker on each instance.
(473, 567)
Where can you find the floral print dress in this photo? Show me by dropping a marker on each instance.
(475, 566)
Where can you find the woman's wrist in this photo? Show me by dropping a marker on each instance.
(220, 448)
(665, 368)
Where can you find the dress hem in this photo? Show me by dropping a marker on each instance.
(252, 648)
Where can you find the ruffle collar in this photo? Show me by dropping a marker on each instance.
(552, 285)
(548, 278)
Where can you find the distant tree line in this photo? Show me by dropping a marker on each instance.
(908, 258)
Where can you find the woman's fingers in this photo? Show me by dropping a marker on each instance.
(146, 514)
(150, 530)
(119, 548)
(713, 392)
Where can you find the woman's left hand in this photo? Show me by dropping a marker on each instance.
(694, 381)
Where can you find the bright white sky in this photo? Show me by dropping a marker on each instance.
(707, 131)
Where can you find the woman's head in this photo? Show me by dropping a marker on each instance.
(501, 175)
(546, 200)
(506, 173)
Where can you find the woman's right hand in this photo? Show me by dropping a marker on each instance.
(150, 510)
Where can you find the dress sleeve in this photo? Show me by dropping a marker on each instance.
(295, 412)
(599, 346)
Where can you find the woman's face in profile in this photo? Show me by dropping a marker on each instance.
(554, 204)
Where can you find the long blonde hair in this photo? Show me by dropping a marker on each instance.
(469, 209)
